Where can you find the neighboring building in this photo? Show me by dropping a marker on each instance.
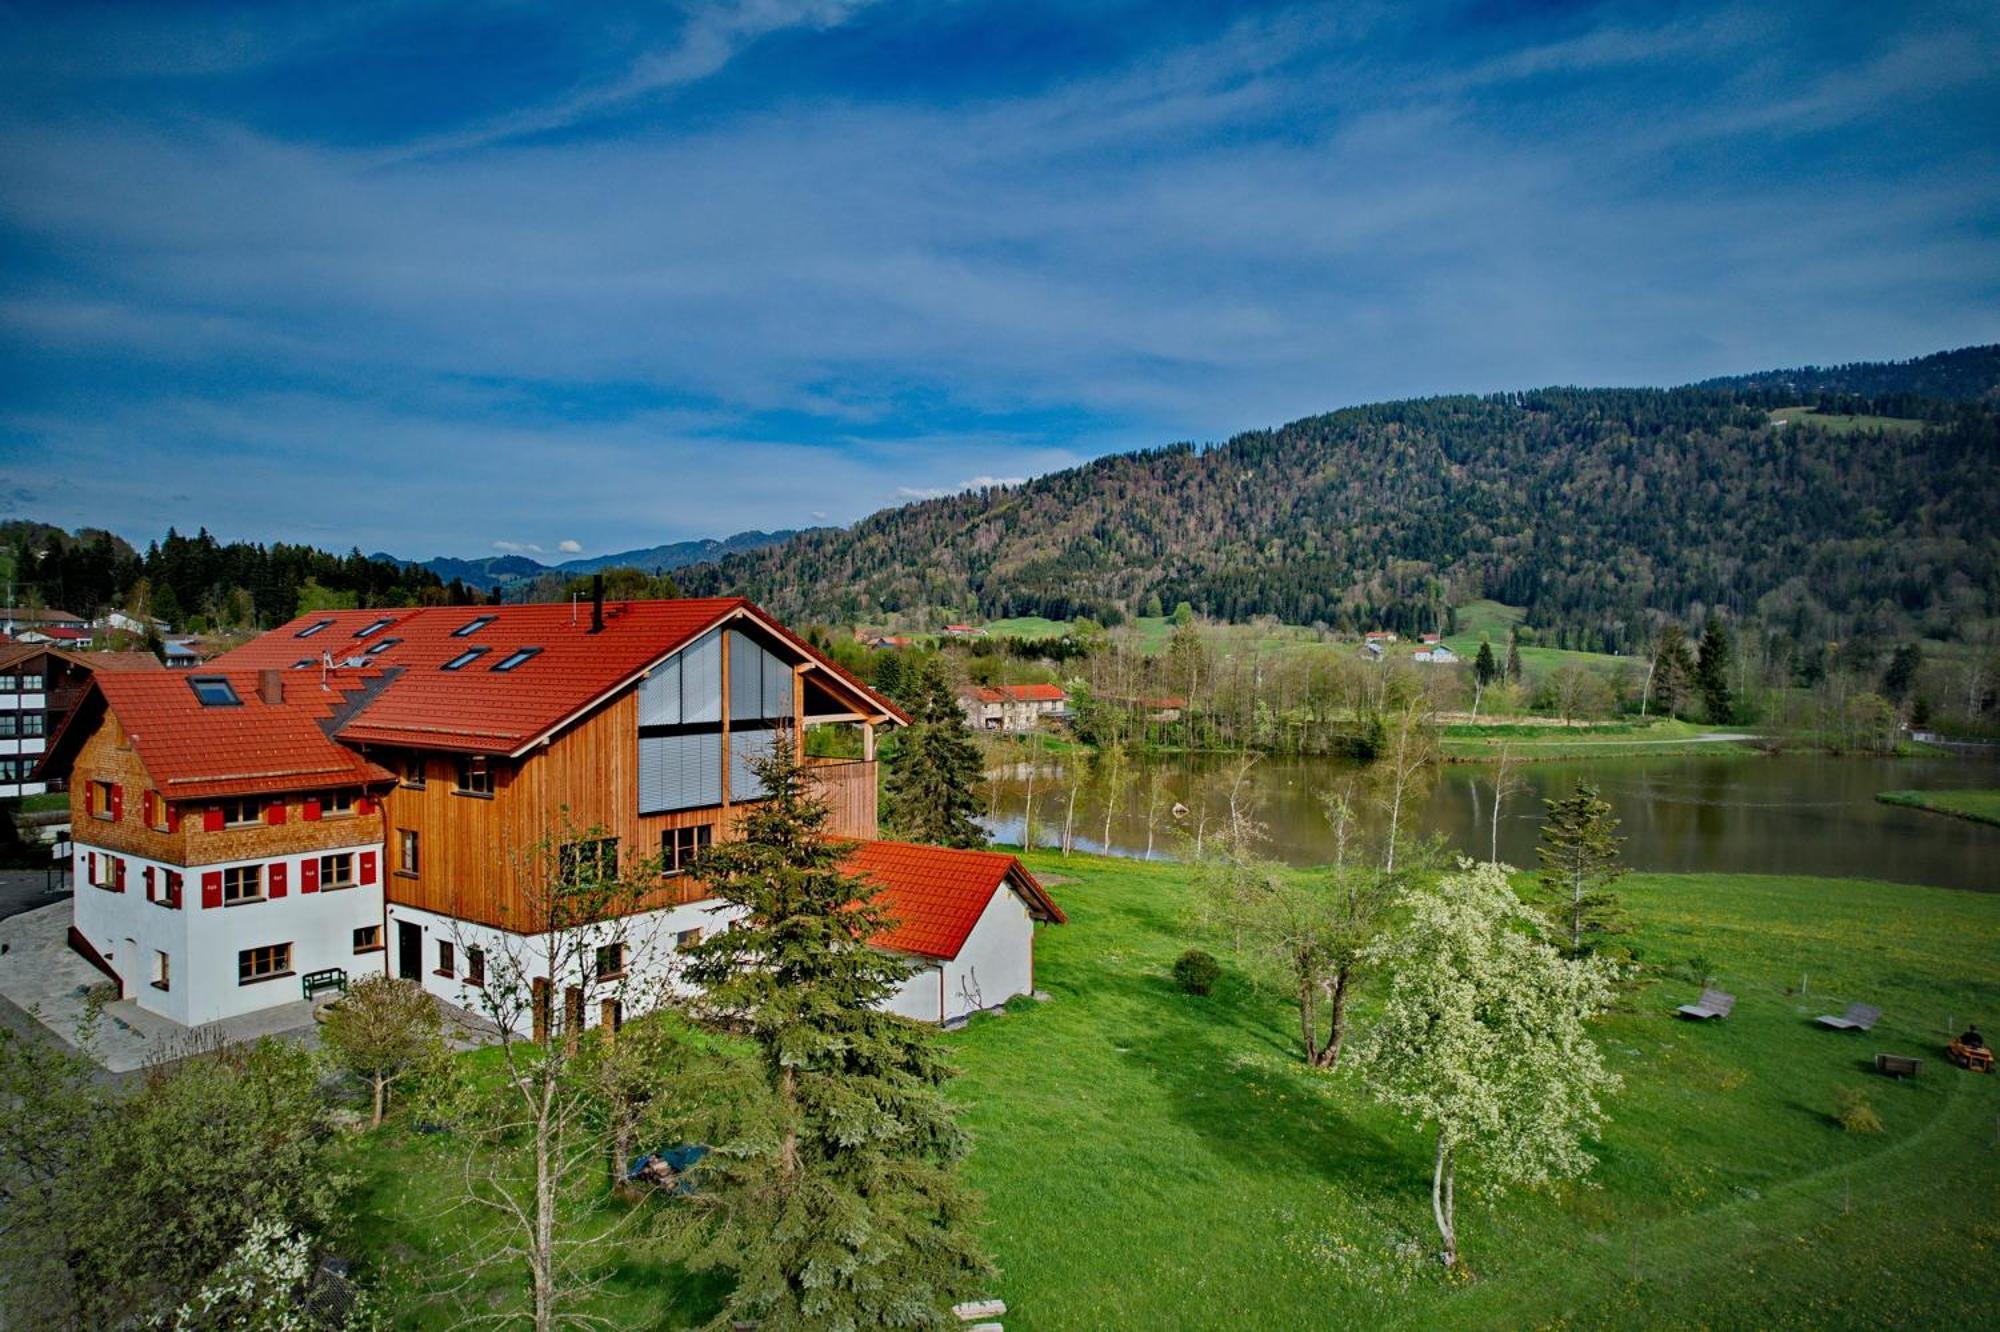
(1439, 655)
(14, 619)
(966, 919)
(888, 642)
(181, 653)
(965, 631)
(39, 685)
(1430, 639)
(56, 635)
(452, 738)
(1379, 636)
(131, 624)
(1012, 707)
(1372, 651)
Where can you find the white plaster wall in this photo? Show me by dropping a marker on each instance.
(202, 944)
(997, 961)
(922, 995)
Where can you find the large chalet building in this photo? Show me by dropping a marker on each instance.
(368, 791)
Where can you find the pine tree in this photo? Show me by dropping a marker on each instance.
(889, 673)
(933, 787)
(1513, 659)
(858, 1217)
(1483, 665)
(1579, 854)
(1712, 673)
(1901, 676)
(1673, 676)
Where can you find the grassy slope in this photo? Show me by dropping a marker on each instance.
(1493, 619)
(1979, 806)
(1154, 1160)
(1845, 424)
(1616, 739)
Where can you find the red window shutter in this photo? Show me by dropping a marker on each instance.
(173, 816)
(310, 811)
(274, 813)
(211, 819)
(117, 802)
(174, 889)
(274, 880)
(367, 868)
(211, 889)
(118, 874)
(93, 869)
(363, 805)
(149, 883)
(309, 875)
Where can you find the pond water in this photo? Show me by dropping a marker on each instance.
(1794, 814)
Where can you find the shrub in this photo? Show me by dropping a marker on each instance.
(1854, 1112)
(1196, 972)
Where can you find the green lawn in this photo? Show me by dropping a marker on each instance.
(1979, 806)
(1624, 738)
(1842, 423)
(1156, 1160)
(1494, 620)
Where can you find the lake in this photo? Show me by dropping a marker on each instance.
(1792, 814)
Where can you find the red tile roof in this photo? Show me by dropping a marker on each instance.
(935, 895)
(197, 752)
(119, 661)
(1027, 693)
(480, 710)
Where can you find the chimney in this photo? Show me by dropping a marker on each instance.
(271, 685)
(597, 603)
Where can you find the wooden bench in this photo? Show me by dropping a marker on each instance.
(333, 978)
(1898, 1066)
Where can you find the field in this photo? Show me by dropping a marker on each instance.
(1536, 740)
(1979, 806)
(1152, 633)
(1156, 1160)
(1843, 424)
(1494, 620)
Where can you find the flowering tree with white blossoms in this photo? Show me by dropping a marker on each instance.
(1483, 1041)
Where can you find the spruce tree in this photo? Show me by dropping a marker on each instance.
(1513, 659)
(857, 1217)
(889, 673)
(1579, 854)
(1484, 666)
(932, 791)
(1712, 673)
(1673, 671)
(1901, 676)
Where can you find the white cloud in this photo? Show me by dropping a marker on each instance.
(970, 483)
(570, 547)
(517, 547)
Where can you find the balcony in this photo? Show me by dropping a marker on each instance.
(848, 788)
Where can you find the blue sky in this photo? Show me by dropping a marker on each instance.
(452, 279)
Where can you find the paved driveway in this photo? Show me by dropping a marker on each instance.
(24, 890)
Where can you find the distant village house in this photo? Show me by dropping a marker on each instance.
(1012, 707)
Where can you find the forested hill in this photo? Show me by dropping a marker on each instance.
(1592, 507)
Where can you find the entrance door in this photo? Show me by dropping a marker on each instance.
(409, 950)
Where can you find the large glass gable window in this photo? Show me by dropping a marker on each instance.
(682, 763)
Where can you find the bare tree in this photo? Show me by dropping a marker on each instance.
(1506, 781)
(1409, 752)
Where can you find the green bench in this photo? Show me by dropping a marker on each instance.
(333, 978)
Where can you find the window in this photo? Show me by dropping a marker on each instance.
(679, 846)
(475, 966)
(375, 627)
(336, 804)
(157, 816)
(382, 645)
(105, 870)
(610, 961)
(336, 872)
(266, 963)
(214, 691)
(304, 662)
(411, 768)
(514, 658)
(472, 626)
(447, 964)
(313, 628)
(31, 684)
(688, 938)
(595, 861)
(465, 659)
(242, 813)
(162, 970)
(408, 860)
(13, 770)
(32, 723)
(368, 939)
(475, 776)
(172, 896)
(242, 883)
(100, 800)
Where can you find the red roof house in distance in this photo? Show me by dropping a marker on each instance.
(966, 919)
(1011, 707)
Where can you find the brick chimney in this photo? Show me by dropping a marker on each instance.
(597, 603)
(271, 685)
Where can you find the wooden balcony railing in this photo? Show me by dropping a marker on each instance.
(848, 788)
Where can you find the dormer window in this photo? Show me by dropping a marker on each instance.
(515, 658)
(465, 658)
(375, 628)
(313, 628)
(214, 691)
(472, 626)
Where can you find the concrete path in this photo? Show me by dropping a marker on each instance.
(24, 890)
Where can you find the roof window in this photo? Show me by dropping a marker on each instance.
(515, 658)
(382, 645)
(465, 658)
(304, 662)
(214, 691)
(375, 628)
(472, 626)
(313, 628)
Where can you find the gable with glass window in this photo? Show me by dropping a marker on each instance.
(684, 760)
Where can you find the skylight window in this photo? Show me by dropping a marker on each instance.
(383, 645)
(514, 658)
(304, 662)
(375, 628)
(313, 628)
(214, 691)
(472, 626)
(465, 658)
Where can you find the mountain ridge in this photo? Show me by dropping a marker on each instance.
(498, 571)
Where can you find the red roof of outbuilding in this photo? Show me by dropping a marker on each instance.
(935, 895)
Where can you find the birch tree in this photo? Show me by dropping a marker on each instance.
(1483, 1042)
